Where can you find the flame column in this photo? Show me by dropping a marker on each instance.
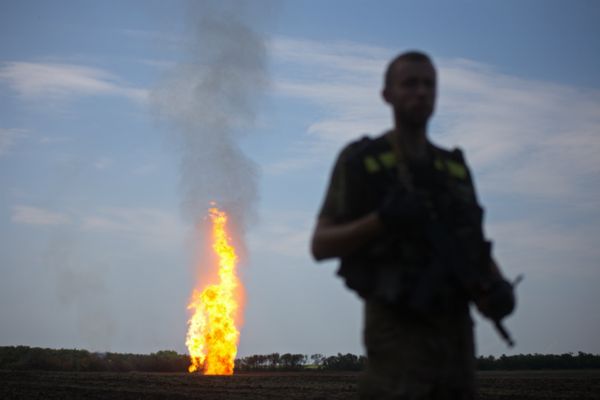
(212, 336)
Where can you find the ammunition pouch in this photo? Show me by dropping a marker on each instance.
(394, 272)
(375, 272)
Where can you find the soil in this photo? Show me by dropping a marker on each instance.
(501, 385)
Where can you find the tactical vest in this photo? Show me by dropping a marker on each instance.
(389, 267)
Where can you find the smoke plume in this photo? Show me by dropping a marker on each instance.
(210, 98)
(81, 287)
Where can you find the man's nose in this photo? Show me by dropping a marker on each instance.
(425, 90)
(422, 89)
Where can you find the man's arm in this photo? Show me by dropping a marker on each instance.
(331, 240)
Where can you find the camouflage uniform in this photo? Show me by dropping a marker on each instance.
(410, 355)
(413, 357)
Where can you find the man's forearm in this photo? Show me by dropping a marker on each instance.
(337, 240)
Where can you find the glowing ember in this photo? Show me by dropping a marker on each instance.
(212, 336)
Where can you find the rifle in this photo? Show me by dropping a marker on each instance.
(452, 260)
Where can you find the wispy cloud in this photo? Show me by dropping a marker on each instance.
(52, 140)
(339, 56)
(146, 224)
(535, 138)
(150, 226)
(343, 79)
(59, 81)
(29, 215)
(158, 64)
(283, 234)
(103, 163)
(8, 137)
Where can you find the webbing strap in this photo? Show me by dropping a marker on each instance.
(401, 164)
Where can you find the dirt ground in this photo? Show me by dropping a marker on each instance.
(552, 385)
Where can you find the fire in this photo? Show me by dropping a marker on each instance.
(212, 335)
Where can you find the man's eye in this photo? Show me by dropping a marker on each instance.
(409, 83)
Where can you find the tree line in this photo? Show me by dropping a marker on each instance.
(580, 360)
(299, 362)
(35, 358)
(26, 358)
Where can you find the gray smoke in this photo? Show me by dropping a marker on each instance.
(81, 287)
(211, 99)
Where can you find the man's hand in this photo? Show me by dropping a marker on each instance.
(497, 301)
(402, 209)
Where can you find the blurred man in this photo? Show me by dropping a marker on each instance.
(402, 216)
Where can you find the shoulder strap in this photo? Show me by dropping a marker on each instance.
(401, 164)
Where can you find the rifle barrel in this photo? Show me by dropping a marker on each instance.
(504, 333)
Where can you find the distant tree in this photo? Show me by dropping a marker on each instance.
(539, 361)
(286, 361)
(344, 362)
(274, 360)
(317, 359)
(263, 361)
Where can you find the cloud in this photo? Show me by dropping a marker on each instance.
(534, 138)
(147, 224)
(60, 81)
(8, 137)
(285, 234)
(37, 216)
(158, 64)
(344, 79)
(103, 163)
(338, 56)
(528, 137)
(52, 140)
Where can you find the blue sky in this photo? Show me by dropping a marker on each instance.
(107, 155)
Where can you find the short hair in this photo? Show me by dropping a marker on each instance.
(412, 56)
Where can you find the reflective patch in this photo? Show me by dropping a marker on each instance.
(388, 159)
(371, 164)
(457, 170)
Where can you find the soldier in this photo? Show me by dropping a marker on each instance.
(402, 215)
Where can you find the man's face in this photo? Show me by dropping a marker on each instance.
(411, 91)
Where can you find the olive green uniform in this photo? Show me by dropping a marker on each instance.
(411, 355)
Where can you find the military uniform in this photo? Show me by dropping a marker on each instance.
(411, 354)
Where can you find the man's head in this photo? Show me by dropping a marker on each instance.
(410, 88)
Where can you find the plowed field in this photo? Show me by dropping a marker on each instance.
(552, 385)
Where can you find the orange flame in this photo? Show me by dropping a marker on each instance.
(212, 336)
